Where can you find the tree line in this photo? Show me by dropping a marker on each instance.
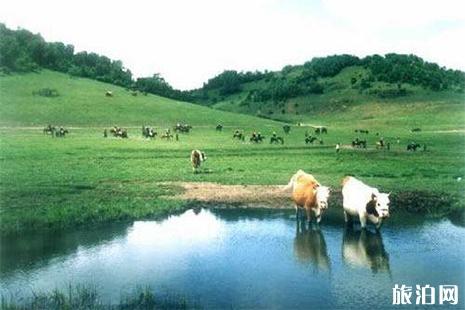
(23, 51)
(293, 81)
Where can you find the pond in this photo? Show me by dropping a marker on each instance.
(236, 258)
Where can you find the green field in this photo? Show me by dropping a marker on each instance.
(84, 178)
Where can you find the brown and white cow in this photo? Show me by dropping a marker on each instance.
(197, 157)
(364, 202)
(309, 194)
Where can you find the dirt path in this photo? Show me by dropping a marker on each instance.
(448, 131)
(272, 196)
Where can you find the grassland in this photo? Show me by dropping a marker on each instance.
(82, 102)
(86, 179)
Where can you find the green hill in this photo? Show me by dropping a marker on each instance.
(37, 99)
(344, 106)
(328, 88)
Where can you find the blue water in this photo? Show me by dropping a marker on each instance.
(242, 258)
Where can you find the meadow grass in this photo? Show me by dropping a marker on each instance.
(82, 102)
(86, 179)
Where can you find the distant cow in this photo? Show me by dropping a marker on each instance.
(415, 129)
(61, 132)
(310, 139)
(219, 127)
(412, 146)
(49, 129)
(380, 144)
(149, 132)
(361, 131)
(276, 139)
(108, 93)
(256, 137)
(167, 135)
(238, 134)
(359, 143)
(286, 129)
(182, 128)
(322, 129)
(119, 132)
(364, 202)
(197, 157)
(309, 194)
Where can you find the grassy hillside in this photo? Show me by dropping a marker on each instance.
(340, 96)
(82, 102)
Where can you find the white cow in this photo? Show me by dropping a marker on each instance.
(197, 157)
(364, 201)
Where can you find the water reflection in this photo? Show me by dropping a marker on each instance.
(34, 250)
(363, 248)
(310, 246)
(239, 258)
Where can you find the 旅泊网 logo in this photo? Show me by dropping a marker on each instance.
(425, 295)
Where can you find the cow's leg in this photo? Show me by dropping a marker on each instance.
(346, 217)
(363, 221)
(309, 215)
(318, 215)
(297, 212)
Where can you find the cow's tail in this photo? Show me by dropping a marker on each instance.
(290, 185)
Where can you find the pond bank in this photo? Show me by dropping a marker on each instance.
(270, 196)
(151, 200)
(275, 196)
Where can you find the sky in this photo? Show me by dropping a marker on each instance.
(188, 42)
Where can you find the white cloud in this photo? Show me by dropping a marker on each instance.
(190, 41)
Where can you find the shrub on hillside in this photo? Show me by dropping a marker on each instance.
(389, 93)
(46, 92)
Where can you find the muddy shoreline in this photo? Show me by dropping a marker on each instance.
(205, 194)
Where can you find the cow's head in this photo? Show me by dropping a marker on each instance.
(322, 195)
(203, 157)
(380, 202)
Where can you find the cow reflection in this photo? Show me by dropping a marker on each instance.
(365, 249)
(310, 246)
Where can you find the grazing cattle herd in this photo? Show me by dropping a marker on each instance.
(150, 132)
(184, 128)
(360, 201)
(55, 131)
(118, 132)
